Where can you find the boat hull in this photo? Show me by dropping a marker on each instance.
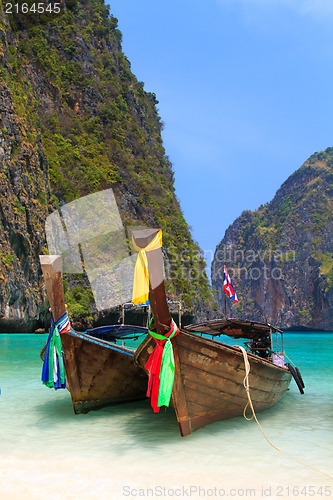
(100, 373)
(209, 376)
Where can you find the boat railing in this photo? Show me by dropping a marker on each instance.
(130, 305)
(279, 344)
(170, 303)
(176, 302)
(277, 350)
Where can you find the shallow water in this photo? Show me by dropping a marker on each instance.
(127, 451)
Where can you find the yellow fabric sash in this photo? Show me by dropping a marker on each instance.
(140, 293)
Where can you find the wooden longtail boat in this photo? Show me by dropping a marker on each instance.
(208, 381)
(99, 372)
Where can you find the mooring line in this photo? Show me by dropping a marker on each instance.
(246, 384)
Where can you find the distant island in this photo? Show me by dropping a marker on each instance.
(280, 256)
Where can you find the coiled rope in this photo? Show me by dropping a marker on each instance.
(246, 384)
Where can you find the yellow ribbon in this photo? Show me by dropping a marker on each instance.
(141, 277)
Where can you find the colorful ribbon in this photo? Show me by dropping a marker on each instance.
(53, 372)
(161, 367)
(141, 277)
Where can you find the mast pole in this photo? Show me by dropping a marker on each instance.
(52, 272)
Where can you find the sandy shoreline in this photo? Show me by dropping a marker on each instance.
(71, 479)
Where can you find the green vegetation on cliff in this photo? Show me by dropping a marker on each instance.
(310, 187)
(75, 97)
(281, 253)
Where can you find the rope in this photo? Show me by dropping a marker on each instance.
(246, 385)
(289, 360)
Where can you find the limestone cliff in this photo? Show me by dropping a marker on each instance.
(280, 257)
(75, 120)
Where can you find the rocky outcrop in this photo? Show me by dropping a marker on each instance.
(25, 194)
(280, 257)
(74, 120)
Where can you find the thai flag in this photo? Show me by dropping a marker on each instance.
(227, 286)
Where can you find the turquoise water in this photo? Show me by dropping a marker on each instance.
(128, 452)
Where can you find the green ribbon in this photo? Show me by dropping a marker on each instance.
(167, 372)
(55, 344)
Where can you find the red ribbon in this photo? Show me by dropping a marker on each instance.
(153, 365)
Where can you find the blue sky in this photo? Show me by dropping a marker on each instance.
(245, 93)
